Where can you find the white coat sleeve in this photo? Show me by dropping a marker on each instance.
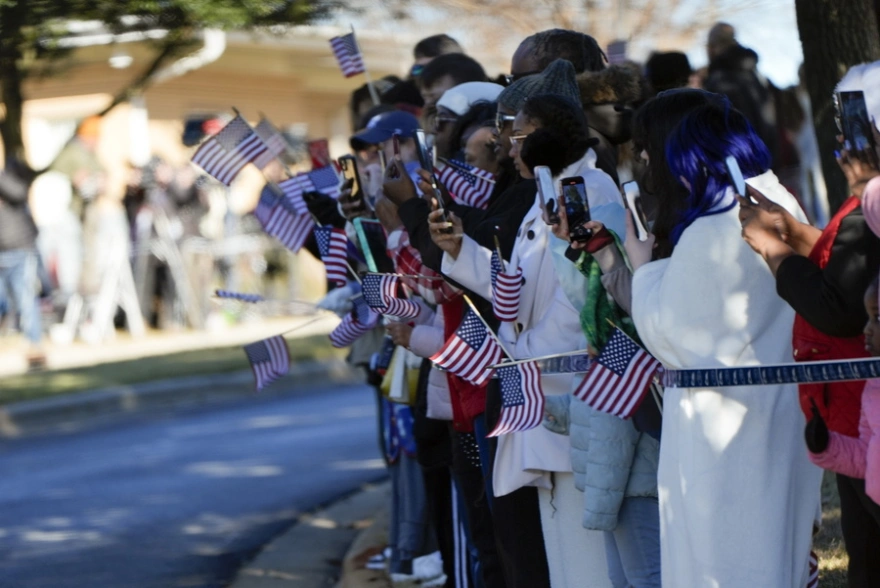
(471, 269)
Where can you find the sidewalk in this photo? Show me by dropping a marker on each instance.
(323, 546)
(124, 347)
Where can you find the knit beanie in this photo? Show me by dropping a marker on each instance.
(559, 78)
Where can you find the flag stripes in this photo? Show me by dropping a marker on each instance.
(348, 55)
(522, 400)
(506, 290)
(467, 184)
(269, 358)
(380, 292)
(333, 247)
(225, 154)
(470, 350)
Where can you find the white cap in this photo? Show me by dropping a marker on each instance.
(460, 98)
(864, 77)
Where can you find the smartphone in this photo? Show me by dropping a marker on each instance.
(427, 164)
(735, 175)
(547, 192)
(348, 165)
(855, 122)
(577, 209)
(634, 204)
(371, 238)
(395, 140)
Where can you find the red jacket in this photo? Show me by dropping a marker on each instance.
(468, 400)
(839, 403)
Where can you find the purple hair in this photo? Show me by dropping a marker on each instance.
(696, 150)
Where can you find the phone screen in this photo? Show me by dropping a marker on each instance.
(855, 122)
(575, 195)
(350, 173)
(735, 174)
(424, 157)
(634, 203)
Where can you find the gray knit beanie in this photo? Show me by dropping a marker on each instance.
(559, 78)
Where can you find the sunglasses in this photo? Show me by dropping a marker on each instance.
(516, 140)
(501, 119)
(441, 121)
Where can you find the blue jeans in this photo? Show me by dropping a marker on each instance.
(633, 548)
(18, 273)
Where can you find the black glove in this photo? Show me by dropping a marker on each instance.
(816, 431)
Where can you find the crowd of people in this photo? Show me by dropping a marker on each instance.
(702, 486)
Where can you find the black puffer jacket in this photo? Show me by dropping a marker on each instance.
(17, 228)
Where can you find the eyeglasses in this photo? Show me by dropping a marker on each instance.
(440, 121)
(515, 140)
(501, 119)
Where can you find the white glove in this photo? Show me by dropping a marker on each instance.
(338, 300)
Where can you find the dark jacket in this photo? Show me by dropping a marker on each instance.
(827, 290)
(17, 228)
(734, 74)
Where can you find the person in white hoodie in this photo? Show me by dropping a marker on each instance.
(547, 322)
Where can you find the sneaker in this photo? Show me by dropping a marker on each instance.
(379, 561)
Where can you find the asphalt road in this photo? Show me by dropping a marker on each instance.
(182, 499)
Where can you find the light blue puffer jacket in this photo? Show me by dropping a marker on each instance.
(610, 458)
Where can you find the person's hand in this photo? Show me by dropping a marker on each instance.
(400, 333)
(448, 241)
(426, 187)
(767, 214)
(638, 252)
(558, 221)
(600, 236)
(348, 207)
(858, 167)
(398, 187)
(386, 212)
(816, 431)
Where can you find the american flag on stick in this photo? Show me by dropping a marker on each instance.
(270, 359)
(225, 154)
(323, 180)
(470, 350)
(354, 324)
(272, 139)
(522, 400)
(467, 184)
(333, 247)
(380, 292)
(281, 219)
(347, 53)
(506, 289)
(619, 378)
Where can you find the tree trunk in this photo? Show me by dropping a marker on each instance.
(11, 78)
(835, 36)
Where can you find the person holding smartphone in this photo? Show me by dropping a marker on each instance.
(822, 275)
(548, 321)
(732, 458)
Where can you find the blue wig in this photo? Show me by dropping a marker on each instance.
(696, 151)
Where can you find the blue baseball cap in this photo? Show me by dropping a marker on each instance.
(383, 126)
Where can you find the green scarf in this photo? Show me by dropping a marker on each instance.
(600, 307)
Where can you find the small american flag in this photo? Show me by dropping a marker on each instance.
(268, 201)
(380, 292)
(619, 378)
(522, 400)
(323, 180)
(350, 329)
(469, 185)
(272, 139)
(225, 154)
(285, 223)
(252, 298)
(470, 350)
(269, 359)
(348, 55)
(506, 289)
(294, 188)
(813, 580)
(333, 247)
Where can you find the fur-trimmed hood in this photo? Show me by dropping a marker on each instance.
(614, 84)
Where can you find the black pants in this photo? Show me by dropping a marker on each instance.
(469, 474)
(517, 521)
(860, 522)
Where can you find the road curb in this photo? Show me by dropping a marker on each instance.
(31, 416)
(311, 553)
